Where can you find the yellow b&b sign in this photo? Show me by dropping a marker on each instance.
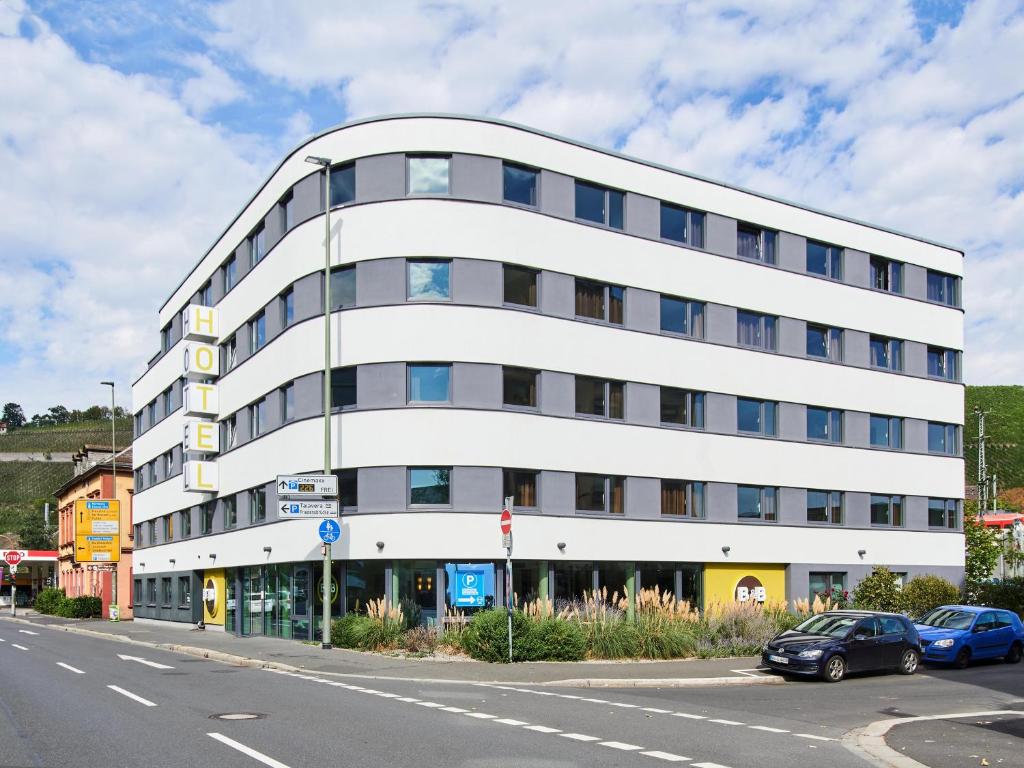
(97, 531)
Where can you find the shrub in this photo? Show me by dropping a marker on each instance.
(1007, 594)
(612, 639)
(380, 628)
(49, 600)
(82, 607)
(486, 637)
(420, 640)
(554, 640)
(922, 593)
(879, 591)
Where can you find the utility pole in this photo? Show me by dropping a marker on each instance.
(982, 466)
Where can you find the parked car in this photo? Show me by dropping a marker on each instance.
(831, 644)
(958, 634)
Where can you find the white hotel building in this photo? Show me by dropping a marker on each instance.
(682, 383)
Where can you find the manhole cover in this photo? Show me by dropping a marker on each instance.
(238, 716)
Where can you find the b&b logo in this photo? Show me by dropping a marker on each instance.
(750, 588)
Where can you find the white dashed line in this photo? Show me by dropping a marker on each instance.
(132, 696)
(429, 704)
(620, 745)
(27, 632)
(812, 736)
(666, 756)
(407, 700)
(579, 737)
(481, 715)
(709, 765)
(388, 695)
(510, 721)
(625, 706)
(596, 701)
(724, 722)
(542, 729)
(655, 709)
(456, 710)
(247, 751)
(689, 716)
(69, 667)
(766, 728)
(19, 647)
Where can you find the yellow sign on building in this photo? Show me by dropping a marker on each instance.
(743, 582)
(97, 531)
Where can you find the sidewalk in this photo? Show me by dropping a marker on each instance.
(293, 655)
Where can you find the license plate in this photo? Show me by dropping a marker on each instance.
(779, 659)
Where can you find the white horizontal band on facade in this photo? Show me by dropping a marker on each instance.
(436, 134)
(468, 536)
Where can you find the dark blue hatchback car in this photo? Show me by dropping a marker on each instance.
(958, 634)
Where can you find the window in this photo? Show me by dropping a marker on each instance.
(168, 467)
(287, 308)
(600, 205)
(519, 184)
(257, 246)
(943, 438)
(428, 175)
(206, 517)
(230, 354)
(151, 533)
(343, 184)
(185, 523)
(521, 485)
(826, 343)
(600, 397)
(184, 591)
(430, 485)
(165, 338)
(681, 225)
(886, 353)
(343, 287)
(756, 416)
(228, 433)
(942, 513)
(344, 387)
(943, 288)
(429, 280)
(206, 294)
(887, 511)
(165, 592)
(137, 592)
(230, 507)
(520, 285)
(825, 584)
(682, 316)
(288, 402)
(430, 383)
(257, 333)
(287, 210)
(754, 502)
(755, 330)
(886, 275)
(682, 498)
(152, 413)
(886, 431)
(824, 424)
(683, 407)
(168, 401)
(825, 507)
(600, 493)
(598, 301)
(942, 364)
(257, 505)
(151, 592)
(258, 418)
(756, 243)
(348, 487)
(138, 423)
(167, 522)
(519, 387)
(137, 535)
(230, 274)
(826, 260)
(139, 480)
(151, 471)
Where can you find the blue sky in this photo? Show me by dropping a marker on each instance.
(130, 132)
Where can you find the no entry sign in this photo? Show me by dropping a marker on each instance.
(13, 557)
(506, 521)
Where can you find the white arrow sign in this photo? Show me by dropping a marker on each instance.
(143, 661)
(296, 508)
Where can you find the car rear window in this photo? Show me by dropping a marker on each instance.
(892, 626)
(825, 624)
(947, 618)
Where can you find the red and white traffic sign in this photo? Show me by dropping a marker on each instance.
(506, 521)
(13, 557)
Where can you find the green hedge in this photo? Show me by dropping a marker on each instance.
(1007, 594)
(55, 603)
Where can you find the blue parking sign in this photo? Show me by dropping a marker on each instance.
(330, 531)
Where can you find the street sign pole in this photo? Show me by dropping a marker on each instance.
(13, 557)
(506, 535)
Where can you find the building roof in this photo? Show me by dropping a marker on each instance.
(87, 467)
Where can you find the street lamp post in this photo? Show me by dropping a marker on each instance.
(113, 482)
(325, 163)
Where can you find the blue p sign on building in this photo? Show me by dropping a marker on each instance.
(330, 531)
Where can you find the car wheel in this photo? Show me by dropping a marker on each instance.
(908, 662)
(963, 658)
(834, 669)
(1014, 656)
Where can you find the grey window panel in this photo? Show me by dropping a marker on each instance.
(720, 324)
(792, 421)
(476, 489)
(381, 385)
(309, 301)
(643, 497)
(915, 513)
(309, 395)
(382, 489)
(792, 253)
(856, 349)
(643, 310)
(720, 234)
(558, 194)
(557, 294)
(242, 265)
(857, 429)
(307, 197)
(476, 178)
(557, 493)
(915, 358)
(175, 329)
(557, 394)
(915, 282)
(792, 506)
(476, 385)
(380, 281)
(274, 322)
(476, 282)
(792, 337)
(273, 227)
(381, 177)
(915, 435)
(643, 404)
(720, 413)
(720, 502)
(856, 509)
(856, 268)
(644, 216)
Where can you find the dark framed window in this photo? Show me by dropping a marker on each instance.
(682, 406)
(825, 424)
(257, 505)
(152, 412)
(166, 595)
(756, 502)
(430, 486)
(348, 487)
(825, 507)
(601, 493)
(757, 243)
(887, 511)
(229, 504)
(257, 333)
(682, 498)
(600, 397)
(429, 174)
(185, 523)
(184, 591)
(428, 280)
(886, 353)
(151, 592)
(943, 438)
(288, 402)
(430, 383)
(206, 294)
(942, 364)
(228, 433)
(344, 389)
(286, 208)
(138, 535)
(519, 184)
(886, 275)
(682, 316)
(520, 285)
(521, 485)
(258, 418)
(825, 343)
(151, 472)
(600, 205)
(343, 287)
(756, 330)
(287, 308)
(821, 584)
(343, 184)
(137, 592)
(206, 517)
(168, 401)
(756, 417)
(886, 431)
(599, 301)
(942, 513)
(519, 387)
(230, 353)
(682, 225)
(167, 521)
(257, 246)
(943, 288)
(230, 274)
(826, 260)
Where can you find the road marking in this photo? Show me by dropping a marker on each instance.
(2, 640)
(625, 706)
(812, 736)
(579, 737)
(430, 704)
(68, 666)
(510, 721)
(27, 632)
(689, 716)
(666, 756)
(542, 729)
(132, 696)
(385, 695)
(768, 729)
(655, 709)
(407, 700)
(709, 765)
(620, 745)
(596, 701)
(747, 672)
(247, 751)
(456, 710)
(148, 663)
(20, 647)
(725, 722)
(480, 715)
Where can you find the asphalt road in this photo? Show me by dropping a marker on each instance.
(69, 700)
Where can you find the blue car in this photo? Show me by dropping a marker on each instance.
(958, 634)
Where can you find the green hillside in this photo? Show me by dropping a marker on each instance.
(65, 438)
(1004, 427)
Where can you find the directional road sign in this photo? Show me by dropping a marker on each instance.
(330, 531)
(307, 485)
(309, 508)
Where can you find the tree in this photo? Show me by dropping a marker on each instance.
(13, 415)
(981, 551)
(60, 415)
(879, 591)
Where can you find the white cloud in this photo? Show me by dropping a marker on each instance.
(211, 87)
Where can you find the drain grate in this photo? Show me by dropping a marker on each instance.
(239, 716)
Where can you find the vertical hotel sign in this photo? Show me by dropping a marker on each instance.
(97, 531)
(201, 439)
